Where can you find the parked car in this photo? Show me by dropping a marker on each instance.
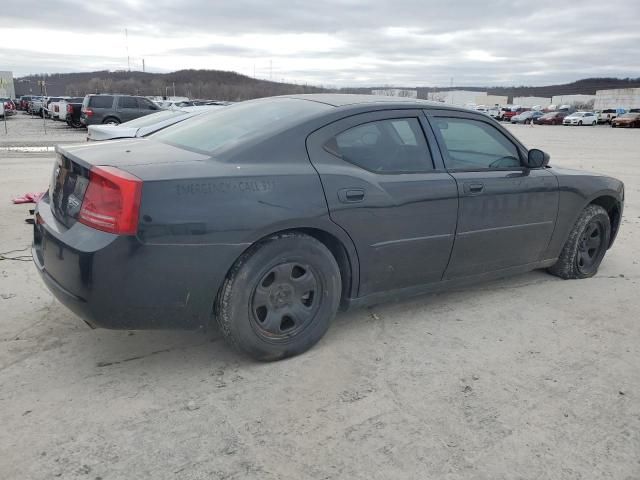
(507, 115)
(607, 115)
(35, 105)
(527, 117)
(48, 105)
(23, 102)
(2, 110)
(551, 118)
(273, 213)
(580, 118)
(630, 120)
(495, 112)
(8, 107)
(73, 108)
(146, 125)
(115, 109)
(57, 108)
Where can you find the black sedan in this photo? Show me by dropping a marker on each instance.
(270, 215)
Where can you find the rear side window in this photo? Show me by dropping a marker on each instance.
(384, 146)
(475, 145)
(127, 102)
(238, 123)
(105, 101)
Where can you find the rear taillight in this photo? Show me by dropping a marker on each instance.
(87, 111)
(69, 109)
(112, 201)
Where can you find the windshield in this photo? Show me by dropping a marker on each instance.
(153, 118)
(239, 122)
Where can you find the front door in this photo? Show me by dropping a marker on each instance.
(388, 190)
(507, 212)
(127, 108)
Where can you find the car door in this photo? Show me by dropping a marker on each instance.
(127, 108)
(388, 190)
(146, 107)
(507, 212)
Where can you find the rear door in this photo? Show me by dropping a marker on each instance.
(386, 187)
(507, 212)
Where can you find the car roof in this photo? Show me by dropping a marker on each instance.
(347, 99)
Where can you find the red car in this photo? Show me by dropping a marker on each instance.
(509, 114)
(9, 106)
(551, 118)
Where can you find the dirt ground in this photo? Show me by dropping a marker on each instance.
(530, 377)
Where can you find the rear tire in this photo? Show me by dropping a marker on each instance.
(111, 121)
(586, 245)
(279, 297)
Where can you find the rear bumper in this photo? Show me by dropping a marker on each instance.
(118, 282)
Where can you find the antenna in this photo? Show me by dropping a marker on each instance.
(126, 43)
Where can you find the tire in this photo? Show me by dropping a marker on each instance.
(264, 308)
(580, 123)
(111, 121)
(613, 125)
(572, 262)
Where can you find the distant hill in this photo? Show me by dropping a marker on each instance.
(221, 85)
(211, 84)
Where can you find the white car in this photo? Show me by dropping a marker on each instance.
(146, 125)
(1, 109)
(581, 118)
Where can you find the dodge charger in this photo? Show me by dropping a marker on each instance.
(268, 216)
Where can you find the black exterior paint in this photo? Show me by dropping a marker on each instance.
(409, 233)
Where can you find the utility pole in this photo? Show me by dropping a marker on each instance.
(126, 42)
(174, 89)
(143, 70)
(270, 69)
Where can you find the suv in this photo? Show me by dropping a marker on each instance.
(115, 109)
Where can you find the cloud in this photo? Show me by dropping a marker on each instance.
(341, 43)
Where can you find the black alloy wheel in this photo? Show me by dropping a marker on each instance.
(285, 300)
(590, 245)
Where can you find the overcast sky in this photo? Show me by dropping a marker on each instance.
(346, 43)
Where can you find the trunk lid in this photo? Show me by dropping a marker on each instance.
(70, 176)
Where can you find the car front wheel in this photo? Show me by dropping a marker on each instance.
(586, 245)
(280, 296)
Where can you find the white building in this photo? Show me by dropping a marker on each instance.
(618, 98)
(531, 101)
(492, 100)
(396, 92)
(572, 99)
(458, 97)
(6, 85)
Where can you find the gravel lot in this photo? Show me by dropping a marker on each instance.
(530, 377)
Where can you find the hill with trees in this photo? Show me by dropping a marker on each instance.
(222, 85)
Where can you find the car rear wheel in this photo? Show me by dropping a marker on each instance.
(111, 121)
(280, 297)
(586, 245)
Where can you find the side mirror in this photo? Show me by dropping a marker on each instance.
(537, 158)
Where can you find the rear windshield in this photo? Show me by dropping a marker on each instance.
(105, 101)
(239, 122)
(153, 118)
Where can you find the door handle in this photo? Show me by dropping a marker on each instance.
(473, 188)
(351, 195)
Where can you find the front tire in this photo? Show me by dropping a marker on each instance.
(586, 245)
(280, 297)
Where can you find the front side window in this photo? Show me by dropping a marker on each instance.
(475, 145)
(385, 146)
